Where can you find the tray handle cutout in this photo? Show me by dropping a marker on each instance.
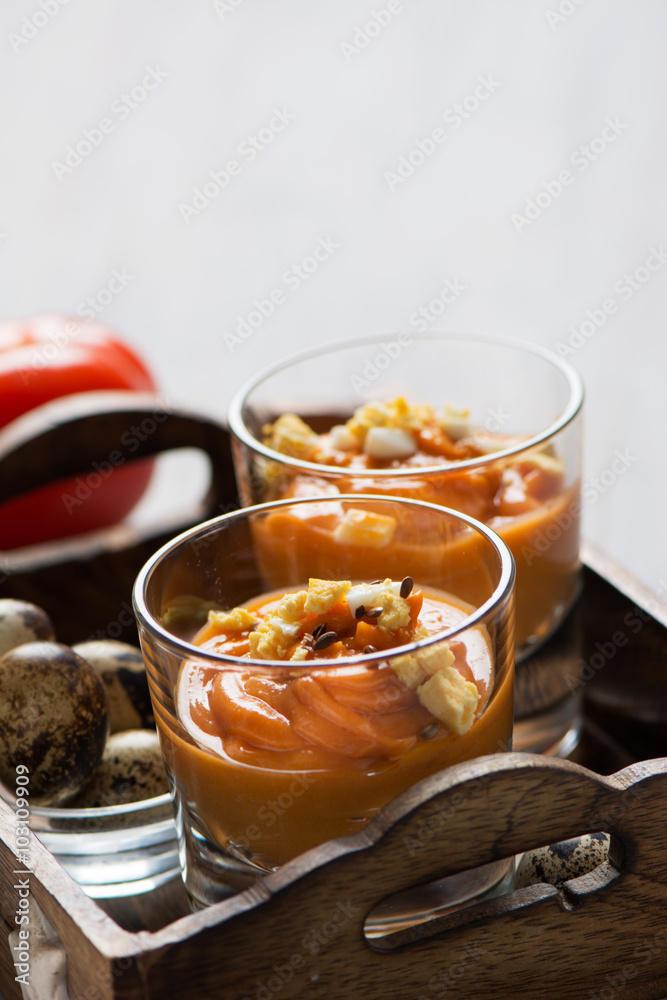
(313, 910)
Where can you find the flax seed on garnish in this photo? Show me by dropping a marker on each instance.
(324, 640)
(360, 612)
(373, 612)
(406, 586)
(428, 732)
(370, 649)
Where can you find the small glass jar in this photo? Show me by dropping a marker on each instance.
(524, 412)
(355, 730)
(111, 851)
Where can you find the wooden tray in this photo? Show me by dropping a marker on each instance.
(299, 933)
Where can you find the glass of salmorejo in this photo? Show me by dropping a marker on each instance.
(311, 659)
(487, 426)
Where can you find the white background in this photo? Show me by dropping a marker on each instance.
(361, 94)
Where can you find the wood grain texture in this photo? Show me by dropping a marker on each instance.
(299, 933)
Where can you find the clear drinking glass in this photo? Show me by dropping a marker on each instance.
(524, 408)
(250, 798)
(111, 851)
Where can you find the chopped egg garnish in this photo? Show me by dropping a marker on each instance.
(395, 612)
(451, 699)
(290, 435)
(416, 439)
(455, 421)
(274, 635)
(340, 617)
(361, 527)
(236, 620)
(397, 414)
(342, 438)
(398, 434)
(323, 594)
(369, 594)
(382, 433)
(295, 617)
(439, 686)
(389, 442)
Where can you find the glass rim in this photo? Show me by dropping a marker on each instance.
(240, 430)
(188, 651)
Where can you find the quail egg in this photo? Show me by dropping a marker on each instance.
(121, 667)
(561, 862)
(54, 719)
(131, 769)
(20, 622)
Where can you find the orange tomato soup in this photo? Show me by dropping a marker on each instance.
(524, 497)
(290, 755)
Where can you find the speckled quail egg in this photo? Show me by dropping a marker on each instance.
(121, 667)
(131, 769)
(561, 862)
(54, 719)
(20, 622)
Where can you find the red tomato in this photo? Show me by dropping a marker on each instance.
(41, 359)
